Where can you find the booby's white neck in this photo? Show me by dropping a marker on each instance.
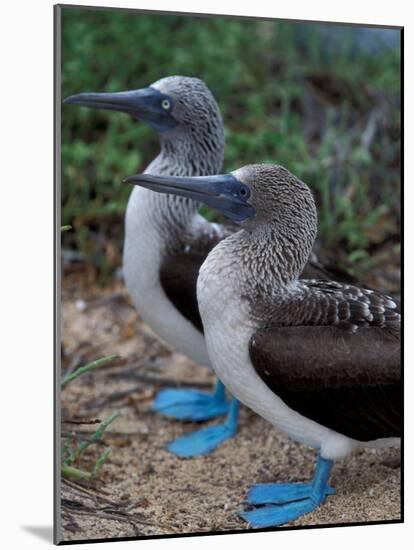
(150, 233)
(158, 224)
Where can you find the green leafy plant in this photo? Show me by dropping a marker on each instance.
(330, 115)
(72, 450)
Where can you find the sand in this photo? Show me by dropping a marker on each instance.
(144, 490)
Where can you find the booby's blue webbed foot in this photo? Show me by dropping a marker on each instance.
(192, 405)
(207, 439)
(286, 502)
(280, 493)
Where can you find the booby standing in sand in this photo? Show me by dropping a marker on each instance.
(166, 240)
(320, 360)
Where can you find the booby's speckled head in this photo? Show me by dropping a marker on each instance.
(192, 104)
(277, 196)
(174, 101)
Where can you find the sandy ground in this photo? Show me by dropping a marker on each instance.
(143, 489)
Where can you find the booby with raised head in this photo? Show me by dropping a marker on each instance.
(320, 360)
(166, 240)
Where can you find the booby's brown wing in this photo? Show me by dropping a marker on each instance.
(178, 276)
(180, 268)
(344, 372)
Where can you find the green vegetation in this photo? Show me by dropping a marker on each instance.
(87, 368)
(288, 92)
(72, 449)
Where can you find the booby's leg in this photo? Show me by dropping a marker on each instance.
(292, 503)
(185, 404)
(206, 440)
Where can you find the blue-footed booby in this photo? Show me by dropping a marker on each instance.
(166, 240)
(318, 359)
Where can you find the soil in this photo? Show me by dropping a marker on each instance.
(142, 489)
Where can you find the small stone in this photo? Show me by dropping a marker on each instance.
(80, 305)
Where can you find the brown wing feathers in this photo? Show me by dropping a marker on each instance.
(178, 277)
(347, 306)
(341, 366)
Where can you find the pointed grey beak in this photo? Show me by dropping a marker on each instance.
(147, 104)
(126, 102)
(224, 192)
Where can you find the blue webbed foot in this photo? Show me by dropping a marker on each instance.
(187, 404)
(273, 514)
(201, 442)
(207, 439)
(279, 503)
(280, 493)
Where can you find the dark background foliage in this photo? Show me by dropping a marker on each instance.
(322, 100)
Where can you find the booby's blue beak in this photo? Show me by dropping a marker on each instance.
(224, 193)
(147, 104)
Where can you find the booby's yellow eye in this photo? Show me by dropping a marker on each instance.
(165, 104)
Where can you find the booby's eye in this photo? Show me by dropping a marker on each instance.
(243, 192)
(165, 104)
